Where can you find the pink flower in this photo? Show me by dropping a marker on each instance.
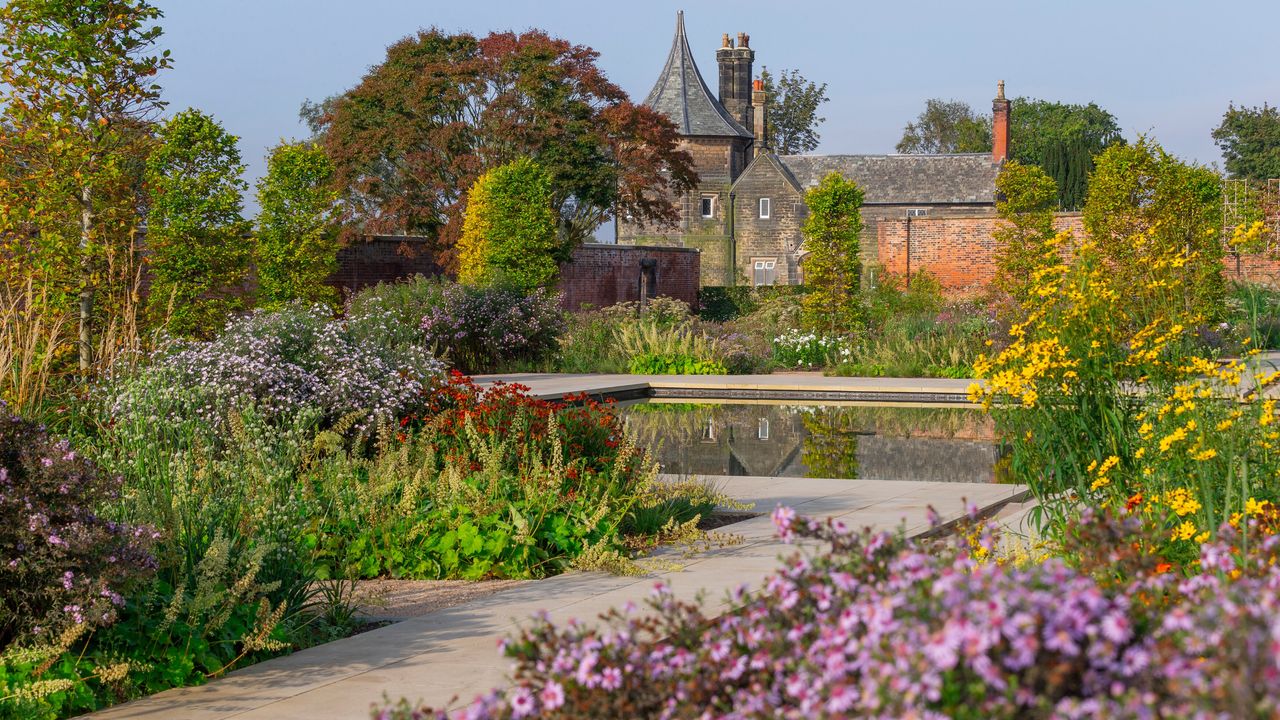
(552, 695)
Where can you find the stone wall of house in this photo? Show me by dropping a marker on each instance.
(776, 237)
(958, 250)
(717, 161)
(601, 274)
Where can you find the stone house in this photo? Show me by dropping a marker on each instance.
(746, 213)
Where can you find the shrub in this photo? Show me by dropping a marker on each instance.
(492, 483)
(509, 231)
(833, 266)
(281, 363)
(297, 240)
(879, 626)
(477, 329)
(652, 344)
(197, 247)
(674, 365)
(64, 564)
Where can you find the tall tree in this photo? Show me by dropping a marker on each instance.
(197, 244)
(946, 126)
(792, 113)
(420, 128)
(1063, 139)
(1250, 141)
(297, 238)
(76, 89)
(509, 234)
(1145, 204)
(832, 260)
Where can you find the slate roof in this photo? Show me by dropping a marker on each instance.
(681, 95)
(903, 179)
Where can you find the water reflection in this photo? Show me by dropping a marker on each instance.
(843, 441)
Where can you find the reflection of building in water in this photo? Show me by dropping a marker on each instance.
(780, 441)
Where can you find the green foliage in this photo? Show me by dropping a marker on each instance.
(791, 115)
(509, 232)
(1063, 139)
(946, 126)
(832, 265)
(724, 303)
(674, 365)
(1027, 197)
(1144, 202)
(78, 99)
(1250, 141)
(297, 239)
(197, 247)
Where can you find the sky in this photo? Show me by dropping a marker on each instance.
(1167, 68)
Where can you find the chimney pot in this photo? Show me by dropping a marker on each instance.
(746, 40)
(742, 39)
(757, 85)
(725, 42)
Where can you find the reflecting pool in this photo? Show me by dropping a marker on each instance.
(883, 442)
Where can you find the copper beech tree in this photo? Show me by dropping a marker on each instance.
(420, 128)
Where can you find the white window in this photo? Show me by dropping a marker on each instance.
(917, 212)
(708, 206)
(765, 208)
(764, 271)
(709, 432)
(762, 429)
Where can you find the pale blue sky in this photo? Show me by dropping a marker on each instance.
(1168, 67)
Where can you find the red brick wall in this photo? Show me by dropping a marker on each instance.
(383, 258)
(959, 251)
(602, 275)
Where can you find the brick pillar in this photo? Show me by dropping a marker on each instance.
(999, 126)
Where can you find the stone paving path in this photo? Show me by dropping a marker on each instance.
(448, 657)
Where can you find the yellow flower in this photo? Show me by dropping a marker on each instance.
(1206, 454)
(1101, 482)
(1181, 502)
(1185, 531)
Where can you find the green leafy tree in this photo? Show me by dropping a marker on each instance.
(77, 97)
(509, 232)
(297, 235)
(946, 126)
(197, 245)
(792, 113)
(1063, 139)
(420, 128)
(1250, 141)
(1026, 200)
(1144, 203)
(832, 263)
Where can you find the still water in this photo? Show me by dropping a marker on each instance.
(883, 442)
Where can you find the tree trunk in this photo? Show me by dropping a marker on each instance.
(86, 284)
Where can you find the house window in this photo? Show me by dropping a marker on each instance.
(764, 271)
(917, 212)
(709, 432)
(762, 429)
(765, 208)
(708, 206)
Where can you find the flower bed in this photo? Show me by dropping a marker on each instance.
(879, 626)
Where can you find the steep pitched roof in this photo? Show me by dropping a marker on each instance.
(903, 179)
(681, 95)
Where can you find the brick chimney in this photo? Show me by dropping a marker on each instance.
(759, 104)
(999, 126)
(735, 63)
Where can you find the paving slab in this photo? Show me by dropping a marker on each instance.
(449, 656)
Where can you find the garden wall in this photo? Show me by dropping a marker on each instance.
(959, 251)
(383, 258)
(602, 274)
